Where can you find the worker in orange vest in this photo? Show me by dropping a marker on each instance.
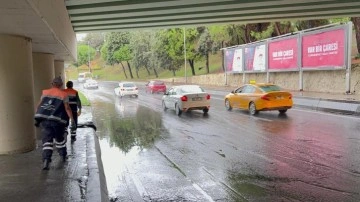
(75, 105)
(52, 114)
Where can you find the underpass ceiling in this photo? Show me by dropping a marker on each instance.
(114, 15)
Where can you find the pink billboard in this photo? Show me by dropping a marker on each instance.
(325, 49)
(283, 54)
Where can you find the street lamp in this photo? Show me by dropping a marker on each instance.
(185, 54)
(89, 56)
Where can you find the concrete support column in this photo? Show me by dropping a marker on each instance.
(17, 134)
(44, 73)
(59, 70)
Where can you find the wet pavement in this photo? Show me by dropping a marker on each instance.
(152, 155)
(142, 153)
(78, 179)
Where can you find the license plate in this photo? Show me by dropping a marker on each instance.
(197, 99)
(279, 97)
(129, 90)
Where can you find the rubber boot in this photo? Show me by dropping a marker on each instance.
(46, 164)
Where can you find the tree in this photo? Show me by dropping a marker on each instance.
(205, 47)
(124, 54)
(140, 45)
(114, 41)
(85, 54)
(96, 40)
(356, 22)
(173, 48)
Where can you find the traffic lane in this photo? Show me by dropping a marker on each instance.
(313, 146)
(255, 159)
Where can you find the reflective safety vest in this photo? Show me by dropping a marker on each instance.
(74, 100)
(52, 106)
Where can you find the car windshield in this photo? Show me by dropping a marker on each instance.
(128, 85)
(191, 89)
(270, 88)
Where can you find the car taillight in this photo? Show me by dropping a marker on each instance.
(265, 97)
(184, 98)
(208, 97)
(290, 97)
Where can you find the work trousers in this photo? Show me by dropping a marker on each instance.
(53, 134)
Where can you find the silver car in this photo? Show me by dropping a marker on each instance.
(186, 98)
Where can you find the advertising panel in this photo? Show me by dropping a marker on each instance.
(238, 60)
(283, 54)
(229, 57)
(255, 58)
(325, 49)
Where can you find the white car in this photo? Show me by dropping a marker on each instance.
(185, 98)
(91, 83)
(126, 89)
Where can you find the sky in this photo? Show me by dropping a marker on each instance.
(79, 37)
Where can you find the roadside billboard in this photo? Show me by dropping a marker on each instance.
(229, 57)
(283, 54)
(238, 60)
(324, 50)
(255, 58)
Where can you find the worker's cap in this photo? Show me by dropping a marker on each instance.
(57, 81)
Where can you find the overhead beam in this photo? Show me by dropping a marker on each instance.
(350, 7)
(189, 5)
(253, 19)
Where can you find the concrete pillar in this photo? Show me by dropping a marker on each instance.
(17, 134)
(59, 70)
(44, 73)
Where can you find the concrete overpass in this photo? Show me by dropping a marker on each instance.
(37, 36)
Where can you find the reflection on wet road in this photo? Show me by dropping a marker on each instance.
(153, 155)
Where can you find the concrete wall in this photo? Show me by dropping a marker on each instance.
(333, 81)
(56, 17)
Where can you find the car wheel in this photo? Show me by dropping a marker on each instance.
(136, 96)
(178, 111)
(206, 110)
(228, 105)
(252, 108)
(152, 91)
(164, 106)
(282, 111)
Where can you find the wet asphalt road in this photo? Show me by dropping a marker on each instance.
(152, 155)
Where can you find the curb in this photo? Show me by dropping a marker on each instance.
(346, 107)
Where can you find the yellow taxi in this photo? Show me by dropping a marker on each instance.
(257, 97)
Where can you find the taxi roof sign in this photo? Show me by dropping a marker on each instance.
(252, 82)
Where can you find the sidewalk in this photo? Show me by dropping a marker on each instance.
(80, 178)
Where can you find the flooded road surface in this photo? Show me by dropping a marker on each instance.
(153, 155)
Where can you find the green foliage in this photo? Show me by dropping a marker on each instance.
(122, 54)
(83, 99)
(95, 40)
(85, 53)
(114, 41)
(267, 33)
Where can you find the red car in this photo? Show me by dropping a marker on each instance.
(155, 87)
